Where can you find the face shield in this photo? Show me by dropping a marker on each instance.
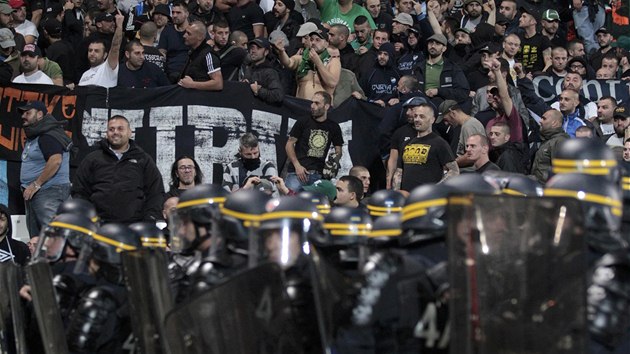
(53, 241)
(284, 241)
(190, 227)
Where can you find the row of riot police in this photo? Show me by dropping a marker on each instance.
(478, 264)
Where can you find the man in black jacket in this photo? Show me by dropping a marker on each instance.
(509, 156)
(262, 78)
(120, 179)
(10, 250)
(380, 84)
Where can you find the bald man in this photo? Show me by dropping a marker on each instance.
(552, 135)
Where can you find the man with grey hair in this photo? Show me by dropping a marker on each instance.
(247, 171)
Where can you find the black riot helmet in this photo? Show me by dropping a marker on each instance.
(385, 232)
(625, 189)
(586, 156)
(345, 226)
(319, 199)
(601, 199)
(109, 241)
(424, 214)
(241, 215)
(473, 183)
(385, 201)
(79, 207)
(194, 217)
(64, 236)
(523, 186)
(286, 228)
(149, 234)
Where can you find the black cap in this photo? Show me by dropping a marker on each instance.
(53, 27)
(54, 9)
(38, 105)
(621, 112)
(262, 42)
(103, 16)
(162, 9)
(530, 9)
(490, 47)
(601, 30)
(501, 19)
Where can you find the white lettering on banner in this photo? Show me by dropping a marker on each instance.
(597, 86)
(206, 119)
(94, 124)
(165, 120)
(346, 161)
(134, 116)
(267, 126)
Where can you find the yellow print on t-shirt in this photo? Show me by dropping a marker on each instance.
(317, 142)
(416, 154)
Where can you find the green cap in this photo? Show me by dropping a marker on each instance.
(324, 187)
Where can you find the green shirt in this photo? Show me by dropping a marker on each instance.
(432, 74)
(52, 69)
(356, 45)
(332, 15)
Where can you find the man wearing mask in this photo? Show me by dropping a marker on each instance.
(247, 163)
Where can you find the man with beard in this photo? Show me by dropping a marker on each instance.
(236, 174)
(621, 121)
(509, 9)
(439, 77)
(573, 81)
(380, 84)
(552, 136)
(138, 73)
(426, 158)
(262, 78)
(535, 52)
(362, 41)
(23, 26)
(104, 65)
(204, 11)
(381, 19)
(30, 71)
(402, 23)
(185, 174)
(338, 39)
(474, 15)
(414, 53)
(172, 44)
(318, 67)
(203, 69)
(11, 250)
(231, 56)
(105, 28)
(309, 142)
(161, 17)
(558, 67)
(550, 23)
(120, 178)
(605, 110)
(343, 12)
(500, 101)
(45, 171)
(509, 156)
(283, 17)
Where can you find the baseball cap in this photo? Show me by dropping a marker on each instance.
(306, 29)
(16, 4)
(6, 38)
(54, 9)
(103, 16)
(551, 15)
(466, 2)
(501, 19)
(404, 18)
(438, 37)
(621, 112)
(602, 30)
(490, 47)
(530, 9)
(53, 27)
(162, 9)
(446, 107)
(320, 32)
(38, 105)
(462, 29)
(31, 49)
(414, 101)
(6, 9)
(262, 42)
(324, 187)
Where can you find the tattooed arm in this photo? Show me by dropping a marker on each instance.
(450, 169)
(397, 179)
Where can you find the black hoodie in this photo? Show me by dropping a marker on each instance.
(10, 249)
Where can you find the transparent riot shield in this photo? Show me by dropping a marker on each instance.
(5, 311)
(14, 282)
(517, 269)
(150, 296)
(46, 309)
(247, 314)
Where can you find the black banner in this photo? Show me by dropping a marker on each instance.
(548, 88)
(173, 121)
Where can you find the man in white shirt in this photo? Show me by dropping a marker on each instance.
(23, 26)
(103, 69)
(30, 71)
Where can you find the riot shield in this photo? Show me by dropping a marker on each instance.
(150, 296)
(14, 282)
(5, 310)
(517, 270)
(46, 309)
(247, 314)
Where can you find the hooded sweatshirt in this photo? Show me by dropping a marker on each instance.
(381, 82)
(12, 250)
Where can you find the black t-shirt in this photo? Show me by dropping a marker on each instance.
(313, 142)
(244, 18)
(153, 55)
(176, 51)
(401, 136)
(423, 160)
(149, 75)
(531, 53)
(488, 166)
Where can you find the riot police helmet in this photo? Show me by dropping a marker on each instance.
(586, 156)
(149, 234)
(319, 199)
(385, 201)
(65, 235)
(80, 207)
